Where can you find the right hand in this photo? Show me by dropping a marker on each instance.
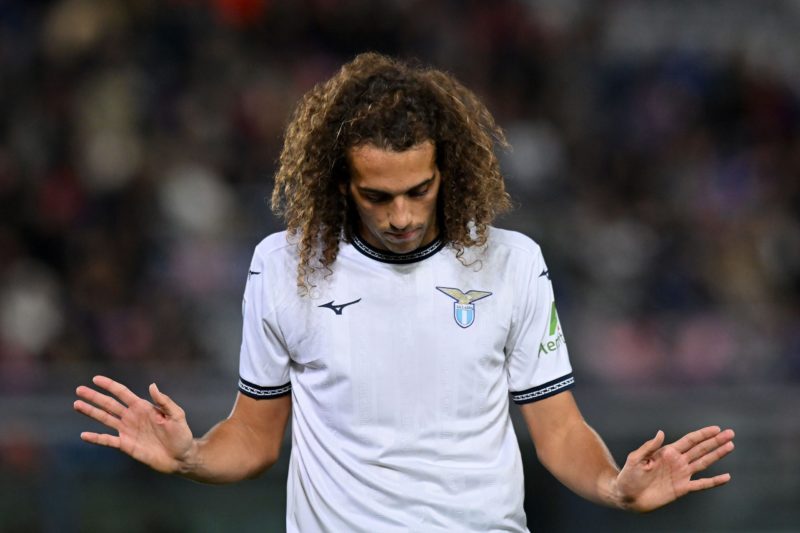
(154, 433)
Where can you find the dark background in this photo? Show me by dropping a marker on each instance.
(656, 159)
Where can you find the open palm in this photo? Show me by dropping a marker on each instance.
(154, 433)
(654, 475)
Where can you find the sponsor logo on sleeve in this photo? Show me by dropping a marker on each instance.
(555, 337)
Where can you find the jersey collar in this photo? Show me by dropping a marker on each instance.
(384, 256)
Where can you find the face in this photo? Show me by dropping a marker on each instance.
(395, 195)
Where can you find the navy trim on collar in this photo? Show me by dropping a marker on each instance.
(385, 256)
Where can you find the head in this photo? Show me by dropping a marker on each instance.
(398, 153)
(395, 195)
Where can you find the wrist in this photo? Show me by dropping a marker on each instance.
(616, 496)
(187, 464)
(622, 499)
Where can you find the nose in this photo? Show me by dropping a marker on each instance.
(400, 214)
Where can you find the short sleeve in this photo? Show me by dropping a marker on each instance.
(263, 358)
(536, 352)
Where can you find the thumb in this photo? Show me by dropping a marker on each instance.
(649, 447)
(162, 401)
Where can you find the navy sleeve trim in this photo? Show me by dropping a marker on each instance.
(543, 391)
(263, 393)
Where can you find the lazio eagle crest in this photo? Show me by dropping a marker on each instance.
(464, 306)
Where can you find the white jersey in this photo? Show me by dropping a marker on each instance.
(400, 369)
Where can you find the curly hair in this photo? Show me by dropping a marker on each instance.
(390, 104)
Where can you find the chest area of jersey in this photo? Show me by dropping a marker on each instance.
(425, 321)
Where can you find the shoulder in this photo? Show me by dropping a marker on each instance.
(277, 255)
(273, 267)
(273, 246)
(514, 242)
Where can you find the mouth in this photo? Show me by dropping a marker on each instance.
(404, 236)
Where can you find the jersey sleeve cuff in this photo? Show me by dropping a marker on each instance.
(263, 393)
(543, 391)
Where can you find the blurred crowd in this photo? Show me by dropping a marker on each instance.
(657, 162)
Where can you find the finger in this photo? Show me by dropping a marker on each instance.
(708, 482)
(101, 439)
(106, 402)
(690, 440)
(708, 445)
(117, 389)
(164, 402)
(712, 457)
(97, 414)
(648, 448)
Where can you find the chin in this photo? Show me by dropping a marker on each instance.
(403, 248)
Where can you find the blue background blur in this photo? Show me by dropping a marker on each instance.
(656, 159)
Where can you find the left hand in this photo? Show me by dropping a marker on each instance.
(654, 475)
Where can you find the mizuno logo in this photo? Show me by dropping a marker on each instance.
(338, 308)
(464, 306)
(545, 272)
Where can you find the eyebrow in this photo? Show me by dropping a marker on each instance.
(367, 190)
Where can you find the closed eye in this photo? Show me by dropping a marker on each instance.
(374, 196)
(419, 192)
(377, 198)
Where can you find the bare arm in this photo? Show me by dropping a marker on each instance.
(241, 446)
(653, 475)
(570, 449)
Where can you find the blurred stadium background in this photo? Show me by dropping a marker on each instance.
(656, 158)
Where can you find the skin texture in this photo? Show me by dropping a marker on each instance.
(395, 195)
(653, 475)
(156, 433)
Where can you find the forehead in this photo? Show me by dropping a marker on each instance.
(374, 167)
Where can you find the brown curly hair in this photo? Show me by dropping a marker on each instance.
(393, 105)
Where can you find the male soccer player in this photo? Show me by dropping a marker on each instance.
(393, 323)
